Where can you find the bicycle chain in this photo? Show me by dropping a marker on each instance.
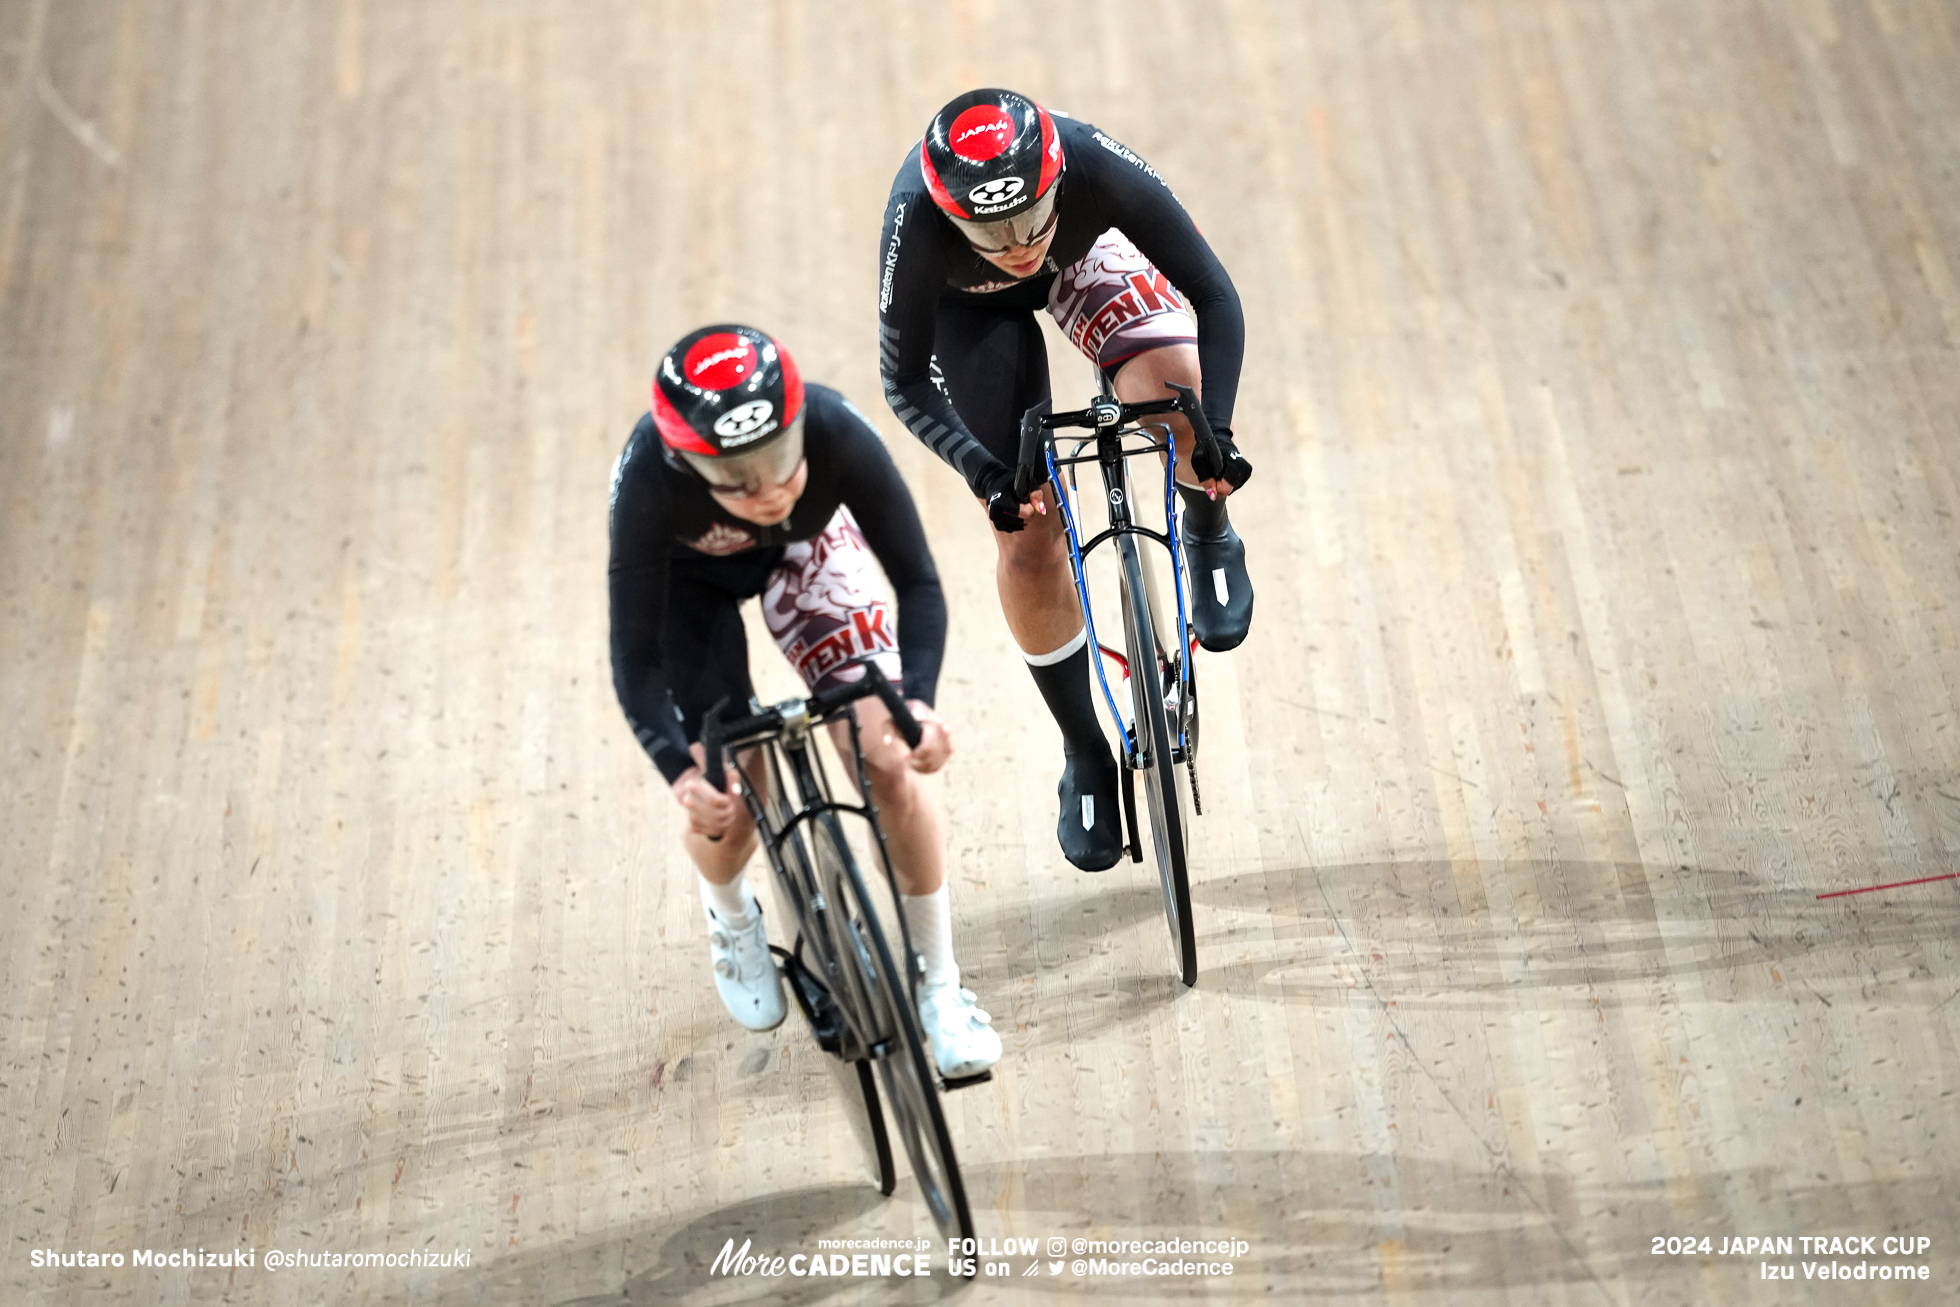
(1197, 803)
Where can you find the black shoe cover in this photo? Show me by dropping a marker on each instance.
(1090, 828)
(1221, 592)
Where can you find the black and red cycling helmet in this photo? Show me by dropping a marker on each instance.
(729, 402)
(989, 158)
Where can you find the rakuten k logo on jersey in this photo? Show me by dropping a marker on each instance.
(719, 361)
(981, 133)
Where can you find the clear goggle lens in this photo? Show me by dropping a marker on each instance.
(739, 475)
(1031, 226)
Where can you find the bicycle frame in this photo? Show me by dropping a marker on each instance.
(814, 799)
(1160, 731)
(875, 994)
(1112, 457)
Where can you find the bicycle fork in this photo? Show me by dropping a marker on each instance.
(1117, 499)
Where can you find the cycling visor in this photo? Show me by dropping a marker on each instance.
(1030, 226)
(752, 471)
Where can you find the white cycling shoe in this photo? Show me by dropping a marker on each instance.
(962, 1035)
(745, 974)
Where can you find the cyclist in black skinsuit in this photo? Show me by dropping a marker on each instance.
(1002, 210)
(743, 482)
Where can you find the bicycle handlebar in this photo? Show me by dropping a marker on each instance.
(1108, 414)
(718, 735)
(1033, 468)
(1206, 443)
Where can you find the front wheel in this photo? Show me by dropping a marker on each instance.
(1164, 783)
(911, 1089)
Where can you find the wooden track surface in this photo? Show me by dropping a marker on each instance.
(1603, 376)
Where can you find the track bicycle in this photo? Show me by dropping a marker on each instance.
(1159, 725)
(858, 996)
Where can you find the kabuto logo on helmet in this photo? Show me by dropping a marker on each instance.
(746, 422)
(993, 194)
(719, 361)
(989, 154)
(724, 389)
(981, 133)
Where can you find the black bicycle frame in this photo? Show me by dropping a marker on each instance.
(786, 726)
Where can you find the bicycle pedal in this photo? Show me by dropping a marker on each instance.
(950, 1083)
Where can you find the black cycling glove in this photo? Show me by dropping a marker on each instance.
(1005, 510)
(1232, 466)
(1003, 507)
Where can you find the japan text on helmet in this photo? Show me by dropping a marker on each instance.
(729, 403)
(991, 159)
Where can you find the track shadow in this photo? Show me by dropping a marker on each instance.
(631, 1267)
(1426, 934)
(1018, 939)
(1444, 935)
(787, 1223)
(1081, 967)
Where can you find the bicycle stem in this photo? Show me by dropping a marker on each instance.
(796, 714)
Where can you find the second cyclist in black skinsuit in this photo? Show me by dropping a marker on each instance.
(744, 483)
(1003, 210)
(682, 563)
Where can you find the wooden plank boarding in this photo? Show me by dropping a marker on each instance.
(1578, 871)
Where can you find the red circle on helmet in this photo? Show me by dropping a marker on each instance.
(980, 133)
(719, 361)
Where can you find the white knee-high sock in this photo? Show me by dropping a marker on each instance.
(930, 919)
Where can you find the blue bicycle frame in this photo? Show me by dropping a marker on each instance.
(1113, 461)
